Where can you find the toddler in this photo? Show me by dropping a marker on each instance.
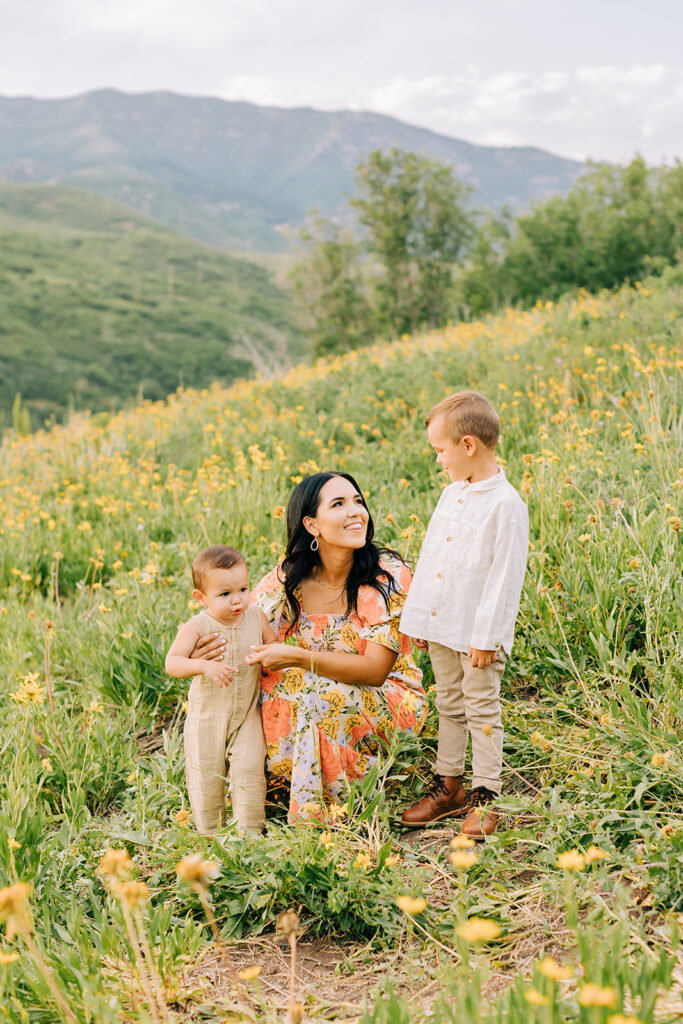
(462, 606)
(223, 720)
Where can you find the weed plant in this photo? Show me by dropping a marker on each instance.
(567, 914)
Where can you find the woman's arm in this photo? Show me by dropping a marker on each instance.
(369, 669)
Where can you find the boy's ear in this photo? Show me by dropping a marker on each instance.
(198, 596)
(470, 445)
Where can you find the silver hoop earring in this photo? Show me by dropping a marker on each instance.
(314, 544)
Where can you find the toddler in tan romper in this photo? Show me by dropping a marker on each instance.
(224, 719)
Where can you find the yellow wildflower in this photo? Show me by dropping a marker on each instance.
(551, 969)
(595, 853)
(571, 860)
(325, 839)
(411, 904)
(14, 909)
(116, 863)
(619, 1018)
(195, 870)
(478, 929)
(363, 860)
(393, 859)
(13, 844)
(462, 843)
(594, 995)
(533, 996)
(463, 859)
(249, 973)
(183, 817)
(130, 893)
(336, 811)
(8, 958)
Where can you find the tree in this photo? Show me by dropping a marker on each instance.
(417, 224)
(329, 289)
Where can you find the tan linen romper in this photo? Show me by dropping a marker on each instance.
(224, 724)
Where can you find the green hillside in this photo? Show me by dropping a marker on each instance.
(578, 893)
(234, 174)
(99, 304)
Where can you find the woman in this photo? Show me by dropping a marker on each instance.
(342, 676)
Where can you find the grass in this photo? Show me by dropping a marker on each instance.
(102, 516)
(101, 305)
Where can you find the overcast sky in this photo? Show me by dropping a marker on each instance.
(583, 78)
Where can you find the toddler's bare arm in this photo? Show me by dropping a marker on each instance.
(181, 666)
(267, 631)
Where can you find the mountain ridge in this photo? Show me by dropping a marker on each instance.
(233, 173)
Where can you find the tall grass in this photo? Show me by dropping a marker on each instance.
(101, 519)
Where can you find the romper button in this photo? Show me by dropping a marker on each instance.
(433, 611)
(439, 575)
(460, 500)
(449, 538)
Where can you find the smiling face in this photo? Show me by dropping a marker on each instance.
(225, 593)
(341, 519)
(455, 457)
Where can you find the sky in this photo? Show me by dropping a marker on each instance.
(600, 79)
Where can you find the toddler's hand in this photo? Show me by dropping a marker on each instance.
(481, 659)
(221, 674)
(422, 645)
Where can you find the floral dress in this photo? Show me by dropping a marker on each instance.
(320, 733)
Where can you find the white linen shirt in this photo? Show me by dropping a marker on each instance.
(468, 579)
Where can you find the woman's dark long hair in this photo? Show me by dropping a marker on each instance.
(299, 561)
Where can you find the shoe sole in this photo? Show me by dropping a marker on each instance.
(434, 821)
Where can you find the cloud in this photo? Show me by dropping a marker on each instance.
(600, 112)
(604, 113)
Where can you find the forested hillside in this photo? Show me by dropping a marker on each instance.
(99, 304)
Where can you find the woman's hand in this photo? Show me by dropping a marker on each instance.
(209, 647)
(274, 656)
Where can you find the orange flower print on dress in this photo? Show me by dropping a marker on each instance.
(277, 720)
(304, 746)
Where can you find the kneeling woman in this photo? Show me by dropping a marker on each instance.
(342, 677)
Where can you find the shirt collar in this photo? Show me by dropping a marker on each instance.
(484, 485)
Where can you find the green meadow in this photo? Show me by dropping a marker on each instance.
(571, 912)
(99, 303)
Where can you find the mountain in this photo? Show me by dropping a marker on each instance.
(234, 174)
(99, 304)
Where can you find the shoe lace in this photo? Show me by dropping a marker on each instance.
(438, 786)
(481, 796)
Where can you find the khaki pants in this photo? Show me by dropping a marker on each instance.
(468, 698)
(218, 728)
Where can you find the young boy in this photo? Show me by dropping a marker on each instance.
(223, 719)
(462, 607)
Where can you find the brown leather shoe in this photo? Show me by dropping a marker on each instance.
(446, 799)
(480, 821)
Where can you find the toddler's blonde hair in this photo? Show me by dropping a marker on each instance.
(467, 412)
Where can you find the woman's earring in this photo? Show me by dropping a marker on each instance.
(314, 544)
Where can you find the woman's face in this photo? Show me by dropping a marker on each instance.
(341, 519)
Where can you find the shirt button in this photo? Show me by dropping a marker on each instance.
(439, 575)
(433, 611)
(449, 538)
(460, 501)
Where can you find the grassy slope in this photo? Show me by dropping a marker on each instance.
(589, 393)
(98, 302)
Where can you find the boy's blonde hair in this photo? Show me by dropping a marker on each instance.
(218, 556)
(467, 412)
